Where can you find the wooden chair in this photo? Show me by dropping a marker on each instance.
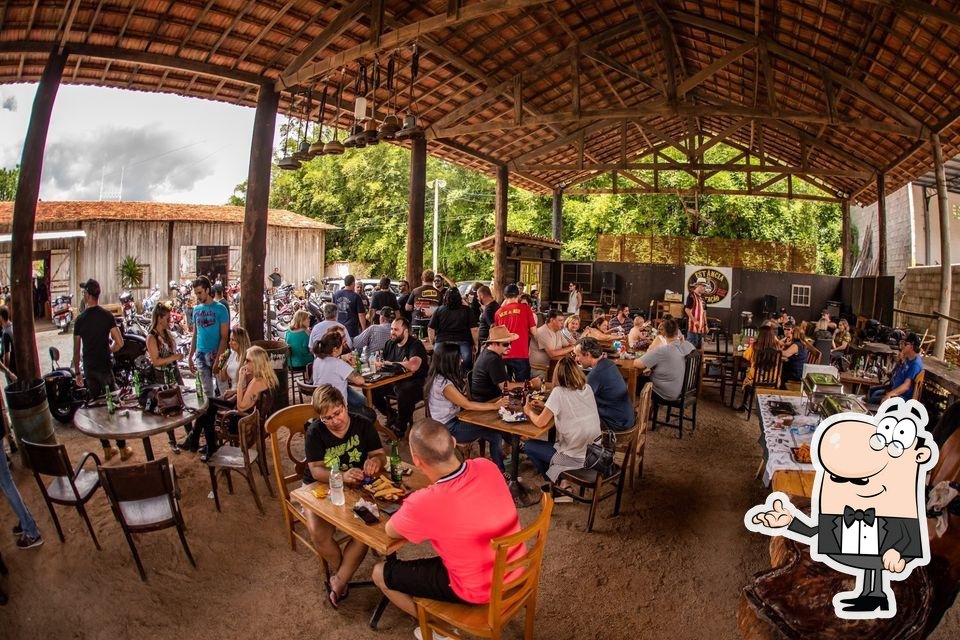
(241, 459)
(305, 386)
(813, 355)
(507, 597)
(293, 420)
(643, 408)
(595, 482)
(918, 385)
(688, 396)
(223, 426)
(762, 377)
(145, 497)
(73, 486)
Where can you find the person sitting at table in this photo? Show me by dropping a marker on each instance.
(840, 343)
(666, 363)
(609, 388)
(454, 323)
(330, 368)
(661, 339)
(489, 373)
(444, 392)
(571, 329)
(329, 320)
(297, 338)
(448, 513)
(794, 356)
(638, 332)
(573, 408)
(908, 367)
(621, 322)
(548, 344)
(599, 311)
(599, 329)
(347, 439)
(230, 362)
(763, 354)
(404, 349)
(256, 377)
(375, 336)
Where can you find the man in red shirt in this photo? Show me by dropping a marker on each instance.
(519, 319)
(446, 514)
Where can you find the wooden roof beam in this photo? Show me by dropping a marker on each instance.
(921, 9)
(734, 166)
(344, 18)
(715, 66)
(695, 192)
(399, 37)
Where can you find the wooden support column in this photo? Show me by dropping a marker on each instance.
(927, 249)
(415, 211)
(881, 226)
(253, 252)
(846, 253)
(25, 215)
(946, 269)
(500, 231)
(557, 225)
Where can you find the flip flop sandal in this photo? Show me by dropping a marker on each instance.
(336, 598)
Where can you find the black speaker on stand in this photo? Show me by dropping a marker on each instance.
(768, 307)
(608, 287)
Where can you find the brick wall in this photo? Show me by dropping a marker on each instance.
(920, 291)
(901, 206)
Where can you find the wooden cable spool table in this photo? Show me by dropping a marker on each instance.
(130, 421)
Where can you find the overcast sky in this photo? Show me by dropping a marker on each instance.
(165, 148)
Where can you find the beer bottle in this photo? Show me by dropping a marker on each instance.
(396, 464)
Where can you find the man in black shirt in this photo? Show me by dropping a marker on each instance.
(275, 278)
(97, 336)
(406, 350)
(351, 309)
(489, 372)
(338, 437)
(382, 297)
(488, 312)
(403, 297)
(423, 301)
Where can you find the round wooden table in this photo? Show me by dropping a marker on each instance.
(130, 421)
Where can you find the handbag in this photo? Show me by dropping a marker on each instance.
(163, 400)
(600, 452)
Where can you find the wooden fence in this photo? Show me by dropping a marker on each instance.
(723, 252)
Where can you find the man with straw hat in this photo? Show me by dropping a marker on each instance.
(489, 371)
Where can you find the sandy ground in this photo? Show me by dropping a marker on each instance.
(671, 566)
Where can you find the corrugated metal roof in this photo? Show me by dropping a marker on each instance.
(951, 170)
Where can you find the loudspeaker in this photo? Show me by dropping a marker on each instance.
(768, 306)
(608, 280)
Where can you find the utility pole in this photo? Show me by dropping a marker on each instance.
(437, 185)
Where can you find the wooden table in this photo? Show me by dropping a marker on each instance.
(857, 382)
(342, 517)
(490, 418)
(942, 374)
(368, 387)
(796, 482)
(130, 421)
(629, 372)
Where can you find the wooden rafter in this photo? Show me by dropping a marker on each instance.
(735, 167)
(344, 18)
(922, 9)
(696, 191)
(720, 63)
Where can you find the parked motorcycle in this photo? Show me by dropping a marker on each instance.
(63, 313)
(151, 301)
(127, 305)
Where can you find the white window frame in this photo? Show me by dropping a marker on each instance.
(799, 293)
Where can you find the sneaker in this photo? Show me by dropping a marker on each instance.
(126, 453)
(436, 635)
(110, 452)
(26, 542)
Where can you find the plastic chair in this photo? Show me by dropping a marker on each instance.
(241, 459)
(507, 597)
(73, 486)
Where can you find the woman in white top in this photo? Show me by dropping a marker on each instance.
(571, 329)
(573, 408)
(330, 368)
(444, 391)
(576, 298)
(231, 361)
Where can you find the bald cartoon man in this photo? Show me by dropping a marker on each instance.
(866, 508)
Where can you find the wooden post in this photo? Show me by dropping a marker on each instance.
(25, 216)
(500, 231)
(881, 226)
(927, 249)
(845, 252)
(946, 269)
(415, 211)
(557, 214)
(253, 252)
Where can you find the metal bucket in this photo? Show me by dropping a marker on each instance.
(278, 352)
(29, 414)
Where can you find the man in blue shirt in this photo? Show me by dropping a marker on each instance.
(904, 374)
(613, 399)
(211, 328)
(351, 309)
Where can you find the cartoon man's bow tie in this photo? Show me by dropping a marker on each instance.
(851, 515)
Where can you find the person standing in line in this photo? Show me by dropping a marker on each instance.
(696, 311)
(351, 309)
(97, 336)
(518, 318)
(211, 332)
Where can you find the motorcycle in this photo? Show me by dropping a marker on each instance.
(151, 301)
(63, 314)
(128, 306)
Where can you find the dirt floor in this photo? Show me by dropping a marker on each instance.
(671, 566)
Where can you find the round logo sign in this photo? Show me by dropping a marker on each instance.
(716, 283)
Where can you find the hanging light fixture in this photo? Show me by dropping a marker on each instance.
(287, 162)
(316, 149)
(335, 147)
(391, 123)
(303, 151)
(355, 139)
(370, 135)
(411, 129)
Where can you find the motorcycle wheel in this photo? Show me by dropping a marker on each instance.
(63, 412)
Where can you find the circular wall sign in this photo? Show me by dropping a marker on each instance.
(717, 287)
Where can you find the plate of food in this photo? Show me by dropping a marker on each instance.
(801, 454)
(512, 416)
(382, 489)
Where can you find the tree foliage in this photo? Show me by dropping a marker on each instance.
(8, 182)
(364, 193)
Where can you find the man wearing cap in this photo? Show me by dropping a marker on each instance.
(518, 319)
(97, 336)
(904, 374)
(375, 336)
(489, 372)
(696, 312)
(404, 349)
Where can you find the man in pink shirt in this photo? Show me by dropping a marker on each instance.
(519, 319)
(446, 513)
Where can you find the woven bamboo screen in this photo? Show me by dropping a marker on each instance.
(718, 252)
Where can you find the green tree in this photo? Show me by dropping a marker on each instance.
(8, 183)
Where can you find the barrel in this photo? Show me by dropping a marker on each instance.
(278, 352)
(29, 415)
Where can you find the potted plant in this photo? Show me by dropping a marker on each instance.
(130, 273)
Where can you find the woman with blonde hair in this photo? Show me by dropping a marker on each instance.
(573, 407)
(571, 329)
(230, 362)
(840, 342)
(255, 378)
(298, 339)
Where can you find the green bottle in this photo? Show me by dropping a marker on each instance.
(136, 383)
(396, 464)
(199, 389)
(168, 376)
(111, 407)
(357, 364)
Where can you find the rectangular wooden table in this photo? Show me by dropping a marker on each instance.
(368, 387)
(490, 419)
(943, 374)
(797, 481)
(342, 517)
(857, 382)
